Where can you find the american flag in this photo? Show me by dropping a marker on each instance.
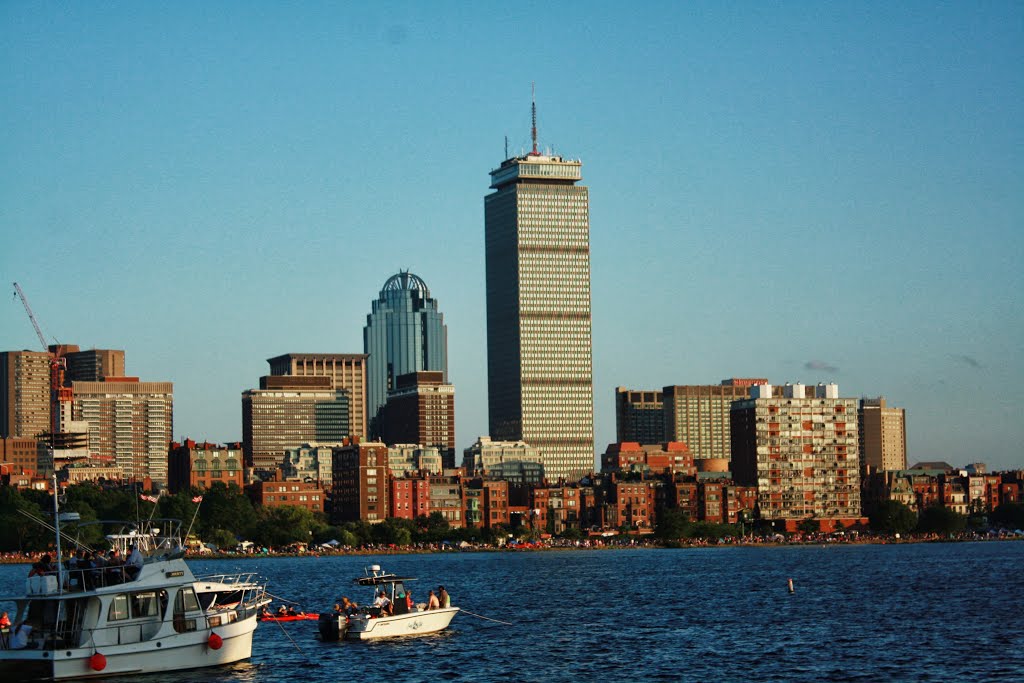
(151, 499)
(197, 499)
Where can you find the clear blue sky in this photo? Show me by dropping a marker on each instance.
(801, 191)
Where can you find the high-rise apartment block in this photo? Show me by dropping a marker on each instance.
(421, 410)
(404, 333)
(360, 482)
(288, 411)
(539, 368)
(639, 416)
(883, 436)
(24, 393)
(347, 372)
(93, 365)
(798, 445)
(698, 415)
(130, 423)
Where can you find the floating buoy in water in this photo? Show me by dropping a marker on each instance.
(215, 641)
(791, 589)
(97, 662)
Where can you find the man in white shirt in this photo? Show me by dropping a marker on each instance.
(133, 565)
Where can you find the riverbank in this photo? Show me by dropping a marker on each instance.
(562, 545)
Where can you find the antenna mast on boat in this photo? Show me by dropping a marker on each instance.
(56, 526)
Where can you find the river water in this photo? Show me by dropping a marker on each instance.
(912, 612)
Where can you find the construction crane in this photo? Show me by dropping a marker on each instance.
(59, 394)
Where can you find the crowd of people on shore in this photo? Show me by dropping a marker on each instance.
(117, 568)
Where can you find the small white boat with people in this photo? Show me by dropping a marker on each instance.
(96, 618)
(392, 612)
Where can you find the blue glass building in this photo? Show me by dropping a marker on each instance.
(404, 333)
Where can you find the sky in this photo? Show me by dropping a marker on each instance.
(807, 192)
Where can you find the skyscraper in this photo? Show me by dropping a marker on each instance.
(404, 333)
(883, 436)
(347, 372)
(288, 411)
(539, 373)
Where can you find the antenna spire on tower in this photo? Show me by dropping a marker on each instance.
(533, 112)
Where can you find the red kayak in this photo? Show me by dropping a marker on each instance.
(297, 617)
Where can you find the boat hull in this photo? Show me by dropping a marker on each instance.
(173, 653)
(365, 627)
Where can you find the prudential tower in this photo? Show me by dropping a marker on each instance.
(539, 370)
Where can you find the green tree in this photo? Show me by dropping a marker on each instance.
(809, 526)
(672, 524)
(891, 517)
(281, 526)
(1009, 515)
(17, 532)
(228, 509)
(941, 520)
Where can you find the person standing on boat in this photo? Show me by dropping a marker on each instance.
(443, 597)
(383, 603)
(432, 601)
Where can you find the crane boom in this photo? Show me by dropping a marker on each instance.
(31, 316)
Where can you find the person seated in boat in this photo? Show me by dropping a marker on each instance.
(433, 602)
(282, 611)
(43, 567)
(115, 567)
(19, 638)
(265, 613)
(443, 597)
(348, 608)
(133, 565)
(5, 621)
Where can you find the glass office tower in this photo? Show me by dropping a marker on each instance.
(404, 333)
(540, 382)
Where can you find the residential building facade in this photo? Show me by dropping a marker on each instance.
(421, 410)
(798, 445)
(24, 393)
(130, 424)
(192, 464)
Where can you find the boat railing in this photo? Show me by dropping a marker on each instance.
(77, 580)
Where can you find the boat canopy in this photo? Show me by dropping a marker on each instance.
(381, 579)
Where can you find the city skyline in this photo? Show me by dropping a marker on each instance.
(803, 194)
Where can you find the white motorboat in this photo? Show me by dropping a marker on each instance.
(372, 622)
(101, 622)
